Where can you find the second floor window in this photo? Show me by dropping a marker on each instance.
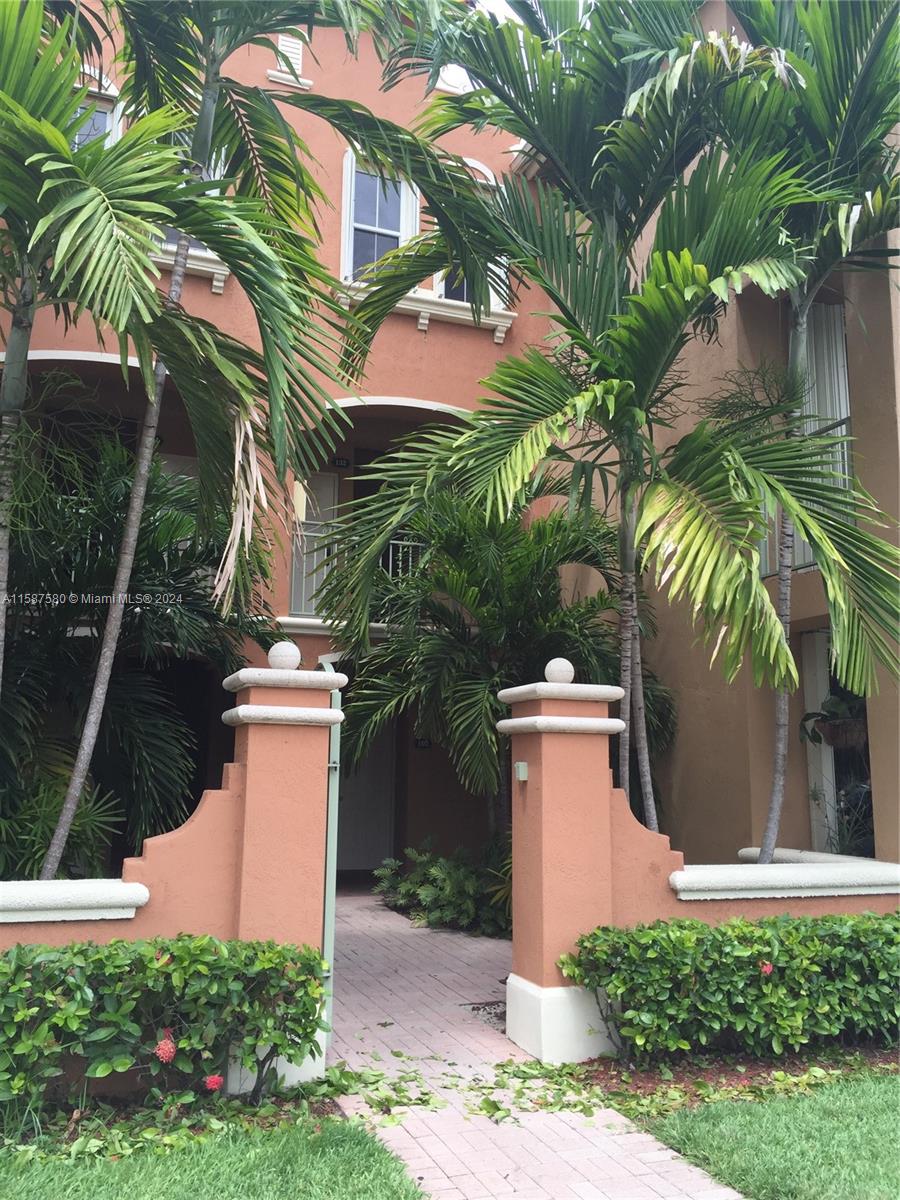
(379, 216)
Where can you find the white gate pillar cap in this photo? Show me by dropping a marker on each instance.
(284, 659)
(559, 674)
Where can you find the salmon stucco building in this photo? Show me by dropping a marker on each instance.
(426, 364)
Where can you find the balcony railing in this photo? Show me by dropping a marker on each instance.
(310, 564)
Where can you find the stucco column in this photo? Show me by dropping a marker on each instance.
(281, 720)
(561, 848)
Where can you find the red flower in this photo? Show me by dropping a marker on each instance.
(766, 968)
(165, 1048)
(213, 1083)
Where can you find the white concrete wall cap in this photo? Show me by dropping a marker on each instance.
(752, 880)
(275, 714)
(551, 724)
(323, 681)
(784, 855)
(605, 693)
(70, 900)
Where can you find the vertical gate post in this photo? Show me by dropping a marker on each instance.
(282, 870)
(561, 852)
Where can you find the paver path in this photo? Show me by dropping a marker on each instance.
(400, 988)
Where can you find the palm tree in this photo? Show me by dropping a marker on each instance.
(71, 489)
(620, 151)
(600, 175)
(257, 215)
(77, 223)
(837, 124)
(472, 607)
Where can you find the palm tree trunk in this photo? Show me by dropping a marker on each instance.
(627, 621)
(200, 149)
(13, 392)
(639, 718)
(797, 366)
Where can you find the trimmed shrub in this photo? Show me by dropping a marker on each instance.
(753, 986)
(177, 1006)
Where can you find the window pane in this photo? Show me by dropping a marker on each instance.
(389, 206)
(365, 199)
(384, 243)
(455, 286)
(96, 127)
(363, 251)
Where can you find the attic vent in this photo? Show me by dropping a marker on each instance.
(292, 48)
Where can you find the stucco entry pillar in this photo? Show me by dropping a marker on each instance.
(281, 873)
(561, 851)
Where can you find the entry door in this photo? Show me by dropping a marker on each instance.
(366, 830)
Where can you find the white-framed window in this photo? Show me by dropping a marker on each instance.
(290, 47)
(826, 408)
(378, 216)
(105, 121)
(827, 404)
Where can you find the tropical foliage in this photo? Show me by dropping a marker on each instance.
(839, 124)
(473, 607)
(72, 488)
(640, 228)
(172, 1009)
(754, 986)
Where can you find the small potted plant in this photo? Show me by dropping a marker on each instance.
(840, 723)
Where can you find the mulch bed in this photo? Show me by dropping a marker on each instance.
(732, 1070)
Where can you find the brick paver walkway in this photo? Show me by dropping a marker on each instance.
(403, 989)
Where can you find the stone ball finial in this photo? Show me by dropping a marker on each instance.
(559, 670)
(284, 656)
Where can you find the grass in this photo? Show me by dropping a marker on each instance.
(838, 1143)
(319, 1160)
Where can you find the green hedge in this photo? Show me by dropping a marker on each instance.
(753, 986)
(170, 1007)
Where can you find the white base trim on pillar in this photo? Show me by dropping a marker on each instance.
(239, 1081)
(555, 1024)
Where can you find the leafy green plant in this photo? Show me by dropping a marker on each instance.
(73, 477)
(444, 891)
(754, 986)
(174, 1009)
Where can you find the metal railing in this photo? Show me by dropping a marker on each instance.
(310, 564)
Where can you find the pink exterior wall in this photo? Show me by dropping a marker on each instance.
(581, 859)
(250, 861)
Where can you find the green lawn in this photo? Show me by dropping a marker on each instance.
(292, 1163)
(839, 1143)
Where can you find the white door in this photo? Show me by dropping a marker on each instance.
(366, 823)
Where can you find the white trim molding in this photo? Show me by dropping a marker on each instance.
(277, 714)
(316, 627)
(551, 724)
(561, 691)
(283, 79)
(323, 681)
(750, 854)
(749, 881)
(70, 900)
(199, 262)
(402, 402)
(424, 306)
(555, 1024)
